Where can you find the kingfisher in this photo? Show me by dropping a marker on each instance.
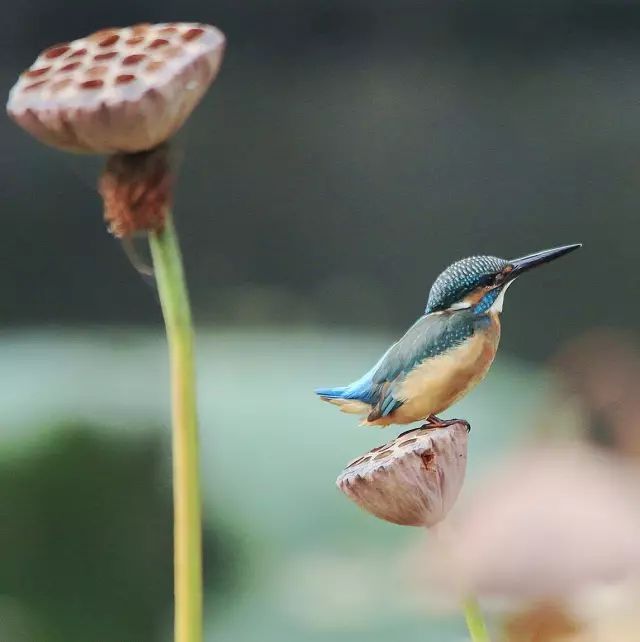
(447, 351)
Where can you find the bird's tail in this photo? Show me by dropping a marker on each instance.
(331, 393)
(340, 397)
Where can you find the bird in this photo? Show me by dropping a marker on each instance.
(446, 352)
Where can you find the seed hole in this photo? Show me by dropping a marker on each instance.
(358, 462)
(106, 56)
(383, 455)
(56, 51)
(98, 70)
(91, 84)
(97, 36)
(35, 73)
(155, 65)
(109, 40)
(134, 59)
(141, 28)
(171, 52)
(124, 79)
(167, 30)
(192, 34)
(355, 463)
(407, 442)
(71, 66)
(61, 84)
(158, 42)
(35, 85)
(135, 41)
(77, 53)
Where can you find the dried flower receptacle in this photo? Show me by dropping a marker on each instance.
(136, 190)
(413, 480)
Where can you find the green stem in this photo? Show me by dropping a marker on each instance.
(174, 299)
(475, 621)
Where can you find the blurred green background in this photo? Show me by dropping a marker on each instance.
(347, 153)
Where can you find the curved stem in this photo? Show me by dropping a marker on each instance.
(475, 621)
(174, 299)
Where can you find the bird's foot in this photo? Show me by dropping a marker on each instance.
(433, 422)
(436, 422)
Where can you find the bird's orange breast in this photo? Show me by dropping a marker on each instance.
(438, 382)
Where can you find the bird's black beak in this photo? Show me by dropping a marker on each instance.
(524, 263)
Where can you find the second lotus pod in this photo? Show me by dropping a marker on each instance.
(413, 480)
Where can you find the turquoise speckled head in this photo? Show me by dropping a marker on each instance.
(461, 278)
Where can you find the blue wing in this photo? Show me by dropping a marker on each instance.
(430, 336)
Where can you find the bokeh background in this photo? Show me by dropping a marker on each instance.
(347, 153)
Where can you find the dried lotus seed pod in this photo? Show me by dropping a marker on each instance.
(117, 90)
(413, 480)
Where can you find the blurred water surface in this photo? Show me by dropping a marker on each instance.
(313, 567)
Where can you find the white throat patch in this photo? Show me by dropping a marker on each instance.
(497, 304)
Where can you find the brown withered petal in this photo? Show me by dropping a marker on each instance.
(413, 480)
(136, 190)
(117, 90)
(542, 622)
(551, 622)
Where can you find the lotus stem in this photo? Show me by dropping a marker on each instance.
(475, 621)
(174, 299)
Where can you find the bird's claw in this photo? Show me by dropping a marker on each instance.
(436, 422)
